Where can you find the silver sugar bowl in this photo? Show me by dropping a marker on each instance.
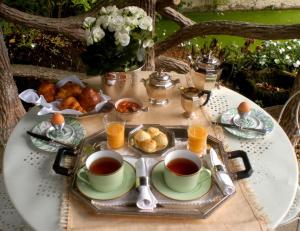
(192, 99)
(159, 86)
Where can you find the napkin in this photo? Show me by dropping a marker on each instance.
(31, 96)
(146, 199)
(221, 176)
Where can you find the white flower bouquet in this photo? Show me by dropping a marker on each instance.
(116, 39)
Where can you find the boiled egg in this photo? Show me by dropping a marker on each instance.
(244, 107)
(57, 119)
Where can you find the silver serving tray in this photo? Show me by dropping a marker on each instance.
(208, 202)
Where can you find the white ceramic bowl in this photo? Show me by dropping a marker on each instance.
(129, 116)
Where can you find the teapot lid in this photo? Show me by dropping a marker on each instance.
(161, 79)
(207, 63)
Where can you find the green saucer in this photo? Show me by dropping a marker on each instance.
(159, 184)
(128, 183)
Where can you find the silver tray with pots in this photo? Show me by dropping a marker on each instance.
(199, 208)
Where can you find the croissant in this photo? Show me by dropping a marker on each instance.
(48, 90)
(89, 98)
(69, 89)
(71, 103)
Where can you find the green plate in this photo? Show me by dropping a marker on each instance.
(159, 184)
(72, 125)
(128, 183)
(259, 118)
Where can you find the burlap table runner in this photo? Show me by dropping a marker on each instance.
(241, 212)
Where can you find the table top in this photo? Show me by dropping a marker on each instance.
(36, 190)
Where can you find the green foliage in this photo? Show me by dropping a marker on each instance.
(85, 4)
(280, 55)
(106, 56)
(39, 7)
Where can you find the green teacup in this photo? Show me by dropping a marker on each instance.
(103, 171)
(183, 171)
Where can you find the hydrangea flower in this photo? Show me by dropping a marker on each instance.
(117, 38)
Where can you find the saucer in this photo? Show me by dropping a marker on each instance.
(128, 183)
(256, 119)
(75, 133)
(159, 184)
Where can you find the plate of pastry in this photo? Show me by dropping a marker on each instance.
(67, 96)
(149, 139)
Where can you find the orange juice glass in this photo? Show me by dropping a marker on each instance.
(197, 138)
(115, 131)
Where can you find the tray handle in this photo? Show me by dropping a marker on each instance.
(59, 157)
(248, 168)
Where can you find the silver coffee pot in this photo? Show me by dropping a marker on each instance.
(205, 71)
(159, 86)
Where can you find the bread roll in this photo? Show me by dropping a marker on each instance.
(141, 136)
(153, 131)
(89, 98)
(148, 145)
(69, 89)
(161, 140)
(48, 90)
(71, 103)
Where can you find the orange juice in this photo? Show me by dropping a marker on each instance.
(197, 136)
(115, 135)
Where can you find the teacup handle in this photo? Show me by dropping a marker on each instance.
(82, 175)
(205, 92)
(204, 172)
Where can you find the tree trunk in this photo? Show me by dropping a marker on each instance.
(10, 104)
(149, 7)
(288, 120)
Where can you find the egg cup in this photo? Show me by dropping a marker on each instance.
(244, 119)
(62, 132)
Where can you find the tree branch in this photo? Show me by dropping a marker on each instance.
(30, 71)
(172, 14)
(247, 30)
(70, 26)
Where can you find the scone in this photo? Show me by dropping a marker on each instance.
(153, 131)
(141, 136)
(161, 140)
(148, 146)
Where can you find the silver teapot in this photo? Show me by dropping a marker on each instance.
(192, 99)
(158, 87)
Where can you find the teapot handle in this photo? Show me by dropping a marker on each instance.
(205, 92)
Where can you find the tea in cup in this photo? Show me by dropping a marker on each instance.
(183, 171)
(115, 131)
(197, 138)
(103, 171)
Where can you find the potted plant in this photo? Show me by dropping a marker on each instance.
(116, 39)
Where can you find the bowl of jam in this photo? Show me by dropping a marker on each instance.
(128, 108)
